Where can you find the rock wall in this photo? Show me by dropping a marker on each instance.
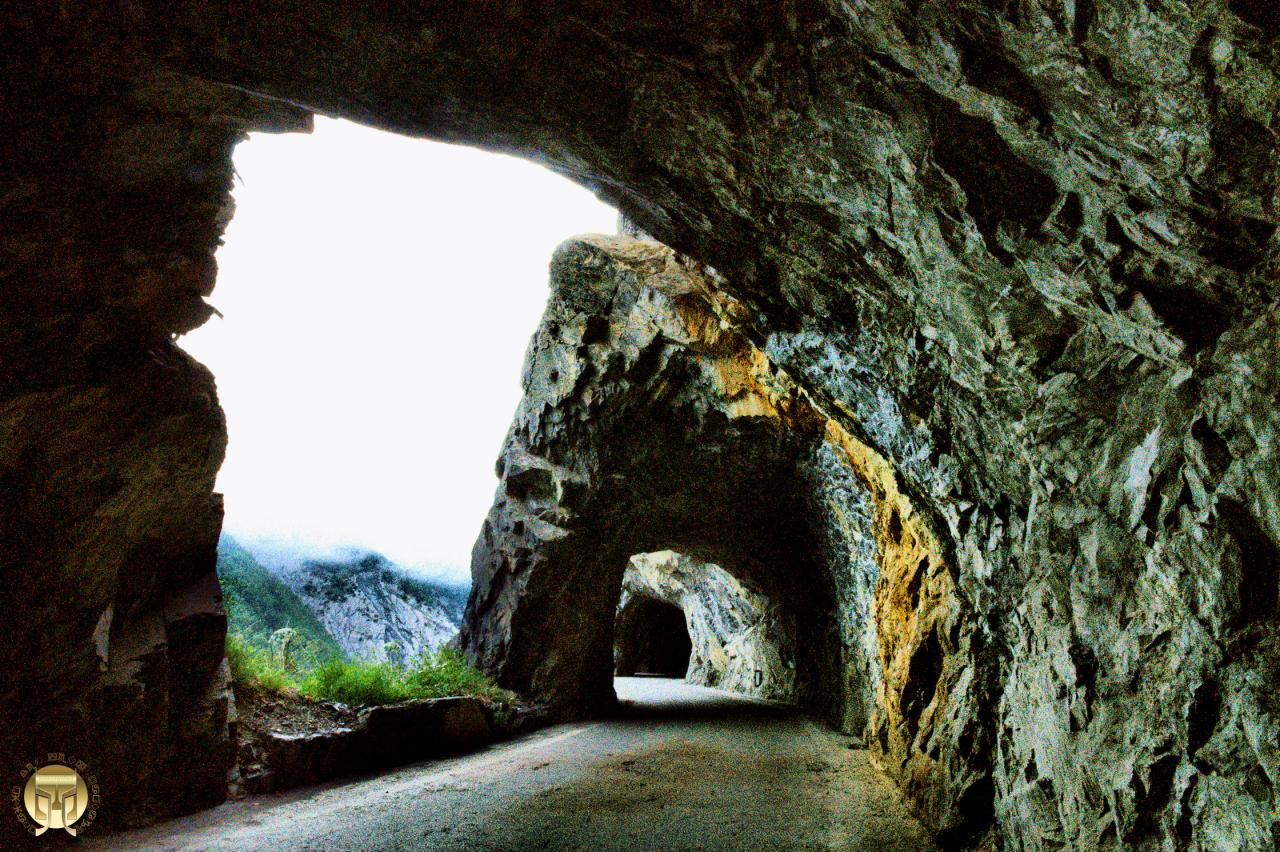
(1024, 249)
(737, 634)
(110, 435)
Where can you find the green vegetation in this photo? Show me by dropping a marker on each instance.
(364, 683)
(275, 643)
(259, 605)
(435, 675)
(254, 667)
(356, 683)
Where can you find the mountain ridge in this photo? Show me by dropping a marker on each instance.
(374, 608)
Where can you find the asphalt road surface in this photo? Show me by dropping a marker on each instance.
(682, 767)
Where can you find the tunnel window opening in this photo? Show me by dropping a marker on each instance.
(728, 631)
(374, 300)
(651, 639)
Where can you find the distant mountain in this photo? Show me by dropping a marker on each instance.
(366, 601)
(281, 554)
(258, 603)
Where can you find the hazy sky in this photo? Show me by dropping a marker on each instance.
(378, 294)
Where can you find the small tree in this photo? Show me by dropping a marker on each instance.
(282, 650)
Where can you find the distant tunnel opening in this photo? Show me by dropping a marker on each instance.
(651, 638)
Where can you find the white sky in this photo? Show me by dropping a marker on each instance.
(378, 295)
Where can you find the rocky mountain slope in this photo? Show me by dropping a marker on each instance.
(258, 603)
(368, 603)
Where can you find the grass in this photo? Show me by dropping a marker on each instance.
(364, 683)
(435, 675)
(253, 666)
(356, 683)
(446, 673)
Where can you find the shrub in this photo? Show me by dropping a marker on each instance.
(364, 683)
(253, 666)
(446, 672)
(356, 683)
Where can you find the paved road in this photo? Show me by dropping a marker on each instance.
(683, 767)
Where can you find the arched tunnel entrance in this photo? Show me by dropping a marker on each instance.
(739, 639)
(750, 513)
(657, 453)
(650, 638)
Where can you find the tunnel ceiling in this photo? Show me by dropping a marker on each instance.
(1023, 251)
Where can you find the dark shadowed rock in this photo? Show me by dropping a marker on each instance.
(110, 435)
(414, 730)
(296, 760)
(278, 757)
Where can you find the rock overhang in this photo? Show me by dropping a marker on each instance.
(1005, 354)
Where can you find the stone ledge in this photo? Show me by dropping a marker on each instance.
(382, 737)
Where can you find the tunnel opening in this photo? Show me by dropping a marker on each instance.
(350, 493)
(347, 280)
(725, 483)
(650, 638)
(740, 639)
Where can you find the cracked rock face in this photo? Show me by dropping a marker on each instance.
(1025, 251)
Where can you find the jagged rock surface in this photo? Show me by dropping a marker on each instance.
(1026, 250)
(374, 610)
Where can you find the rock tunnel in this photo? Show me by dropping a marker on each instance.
(738, 638)
(650, 425)
(630, 440)
(966, 351)
(651, 638)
